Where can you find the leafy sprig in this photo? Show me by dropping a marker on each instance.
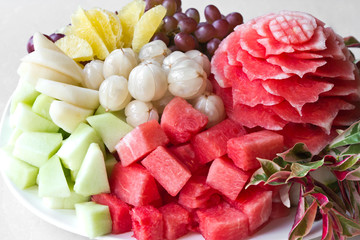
(338, 203)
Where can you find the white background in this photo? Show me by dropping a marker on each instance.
(19, 19)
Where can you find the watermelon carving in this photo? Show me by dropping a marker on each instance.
(287, 68)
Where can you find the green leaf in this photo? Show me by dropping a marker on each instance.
(350, 40)
(354, 199)
(278, 178)
(280, 161)
(298, 153)
(346, 163)
(269, 166)
(351, 150)
(350, 136)
(299, 170)
(257, 177)
(349, 227)
(303, 226)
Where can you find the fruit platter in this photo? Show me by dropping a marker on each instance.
(170, 119)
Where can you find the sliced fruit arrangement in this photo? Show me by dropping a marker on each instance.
(138, 140)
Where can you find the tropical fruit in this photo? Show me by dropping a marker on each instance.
(260, 63)
(76, 48)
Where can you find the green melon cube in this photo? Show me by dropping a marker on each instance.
(110, 162)
(26, 120)
(110, 128)
(92, 177)
(119, 114)
(14, 136)
(74, 148)
(94, 219)
(52, 180)
(22, 174)
(42, 104)
(25, 93)
(65, 202)
(36, 148)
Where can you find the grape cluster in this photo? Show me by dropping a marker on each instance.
(53, 37)
(183, 30)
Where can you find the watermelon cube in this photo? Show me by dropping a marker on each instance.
(225, 177)
(181, 121)
(223, 222)
(134, 185)
(256, 203)
(167, 170)
(147, 223)
(119, 211)
(176, 221)
(197, 194)
(141, 141)
(211, 144)
(245, 149)
(279, 210)
(186, 154)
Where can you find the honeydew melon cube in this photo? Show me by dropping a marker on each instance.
(94, 219)
(26, 120)
(31, 72)
(74, 148)
(52, 180)
(41, 106)
(110, 128)
(22, 174)
(120, 114)
(57, 61)
(68, 116)
(14, 136)
(92, 177)
(110, 162)
(79, 96)
(36, 148)
(24, 93)
(65, 203)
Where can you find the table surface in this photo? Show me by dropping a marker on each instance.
(19, 19)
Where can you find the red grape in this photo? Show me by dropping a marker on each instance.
(234, 19)
(30, 43)
(184, 41)
(187, 25)
(161, 36)
(212, 45)
(170, 6)
(169, 24)
(56, 36)
(222, 28)
(205, 33)
(179, 16)
(152, 3)
(193, 13)
(211, 13)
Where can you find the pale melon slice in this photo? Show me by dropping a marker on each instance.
(36, 148)
(41, 42)
(79, 96)
(52, 181)
(26, 120)
(94, 219)
(110, 162)
(42, 104)
(119, 114)
(74, 148)
(92, 177)
(110, 128)
(24, 93)
(68, 116)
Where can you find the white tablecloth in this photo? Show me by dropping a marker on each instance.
(19, 19)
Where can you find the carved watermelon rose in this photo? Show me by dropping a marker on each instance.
(288, 72)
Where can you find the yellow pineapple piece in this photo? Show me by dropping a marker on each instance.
(76, 48)
(82, 27)
(101, 22)
(129, 16)
(116, 28)
(147, 26)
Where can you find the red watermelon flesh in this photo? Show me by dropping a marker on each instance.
(316, 43)
(279, 210)
(197, 194)
(322, 113)
(303, 55)
(256, 204)
(224, 93)
(181, 121)
(259, 115)
(314, 137)
(297, 91)
(333, 46)
(141, 192)
(147, 223)
(211, 143)
(186, 154)
(343, 87)
(176, 221)
(248, 42)
(245, 149)
(337, 69)
(232, 44)
(119, 211)
(220, 61)
(140, 142)
(223, 222)
(346, 118)
(273, 47)
(167, 170)
(253, 93)
(225, 177)
(296, 66)
(255, 67)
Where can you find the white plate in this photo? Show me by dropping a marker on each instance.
(66, 219)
